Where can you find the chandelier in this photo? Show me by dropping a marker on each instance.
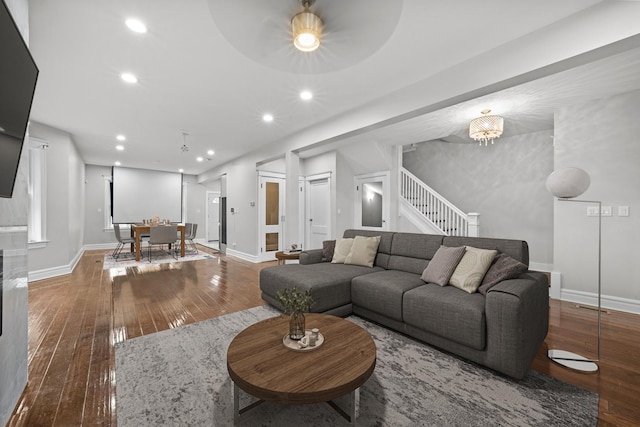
(307, 29)
(486, 127)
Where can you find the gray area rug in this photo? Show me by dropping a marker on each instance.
(179, 377)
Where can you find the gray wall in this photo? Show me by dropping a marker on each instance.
(600, 137)
(504, 182)
(13, 243)
(65, 208)
(196, 204)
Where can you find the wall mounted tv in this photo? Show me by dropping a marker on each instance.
(18, 76)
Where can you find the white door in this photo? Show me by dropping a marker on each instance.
(317, 212)
(213, 216)
(272, 191)
(372, 201)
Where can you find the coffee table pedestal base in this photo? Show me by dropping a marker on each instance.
(350, 416)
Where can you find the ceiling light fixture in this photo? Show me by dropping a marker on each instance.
(199, 158)
(307, 29)
(117, 163)
(121, 137)
(306, 95)
(267, 118)
(136, 25)
(129, 78)
(486, 127)
(119, 147)
(210, 153)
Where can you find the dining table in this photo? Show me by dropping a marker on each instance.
(137, 230)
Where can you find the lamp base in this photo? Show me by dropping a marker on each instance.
(572, 360)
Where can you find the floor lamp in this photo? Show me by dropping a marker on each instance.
(565, 184)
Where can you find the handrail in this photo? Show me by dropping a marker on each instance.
(441, 212)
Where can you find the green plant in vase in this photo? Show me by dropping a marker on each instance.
(294, 302)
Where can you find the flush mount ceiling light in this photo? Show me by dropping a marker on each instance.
(136, 25)
(486, 127)
(129, 78)
(306, 95)
(121, 137)
(119, 147)
(307, 29)
(267, 118)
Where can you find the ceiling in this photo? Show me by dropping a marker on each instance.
(212, 68)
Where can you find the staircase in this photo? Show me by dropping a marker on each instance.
(431, 212)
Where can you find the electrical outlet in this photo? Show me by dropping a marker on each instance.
(606, 211)
(623, 210)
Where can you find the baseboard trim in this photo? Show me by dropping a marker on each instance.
(606, 301)
(247, 257)
(47, 273)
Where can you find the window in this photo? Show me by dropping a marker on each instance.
(37, 192)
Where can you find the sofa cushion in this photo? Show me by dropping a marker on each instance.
(363, 251)
(411, 252)
(516, 249)
(384, 249)
(443, 264)
(341, 251)
(330, 284)
(328, 247)
(471, 269)
(382, 292)
(448, 312)
(503, 267)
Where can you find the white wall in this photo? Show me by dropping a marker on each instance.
(601, 137)
(503, 182)
(65, 210)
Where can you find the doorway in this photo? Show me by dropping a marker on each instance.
(272, 196)
(372, 201)
(213, 219)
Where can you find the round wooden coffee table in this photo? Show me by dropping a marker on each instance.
(260, 364)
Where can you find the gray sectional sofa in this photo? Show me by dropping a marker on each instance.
(502, 330)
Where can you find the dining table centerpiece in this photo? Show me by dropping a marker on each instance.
(294, 303)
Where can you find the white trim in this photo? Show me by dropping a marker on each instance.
(540, 266)
(607, 301)
(38, 245)
(47, 273)
(359, 180)
(247, 257)
(325, 175)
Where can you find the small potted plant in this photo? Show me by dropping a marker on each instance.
(294, 302)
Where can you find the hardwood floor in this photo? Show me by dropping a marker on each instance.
(75, 321)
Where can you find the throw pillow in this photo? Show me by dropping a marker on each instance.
(472, 268)
(503, 267)
(443, 264)
(363, 251)
(341, 251)
(328, 246)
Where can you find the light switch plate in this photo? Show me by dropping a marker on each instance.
(623, 210)
(592, 211)
(606, 211)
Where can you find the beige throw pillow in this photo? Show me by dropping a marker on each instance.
(472, 268)
(341, 251)
(363, 251)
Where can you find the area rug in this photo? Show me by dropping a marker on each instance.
(179, 377)
(127, 259)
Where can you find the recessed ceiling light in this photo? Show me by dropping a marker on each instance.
(129, 78)
(117, 163)
(306, 95)
(119, 147)
(267, 118)
(180, 170)
(199, 159)
(210, 153)
(121, 138)
(136, 25)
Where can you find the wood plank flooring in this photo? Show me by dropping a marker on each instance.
(75, 320)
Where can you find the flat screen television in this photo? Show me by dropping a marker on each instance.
(18, 76)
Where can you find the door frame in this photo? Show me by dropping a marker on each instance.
(263, 255)
(307, 204)
(385, 178)
(206, 215)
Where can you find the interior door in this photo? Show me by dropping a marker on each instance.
(318, 212)
(272, 191)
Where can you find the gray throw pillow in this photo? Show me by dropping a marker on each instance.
(503, 267)
(328, 246)
(443, 264)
